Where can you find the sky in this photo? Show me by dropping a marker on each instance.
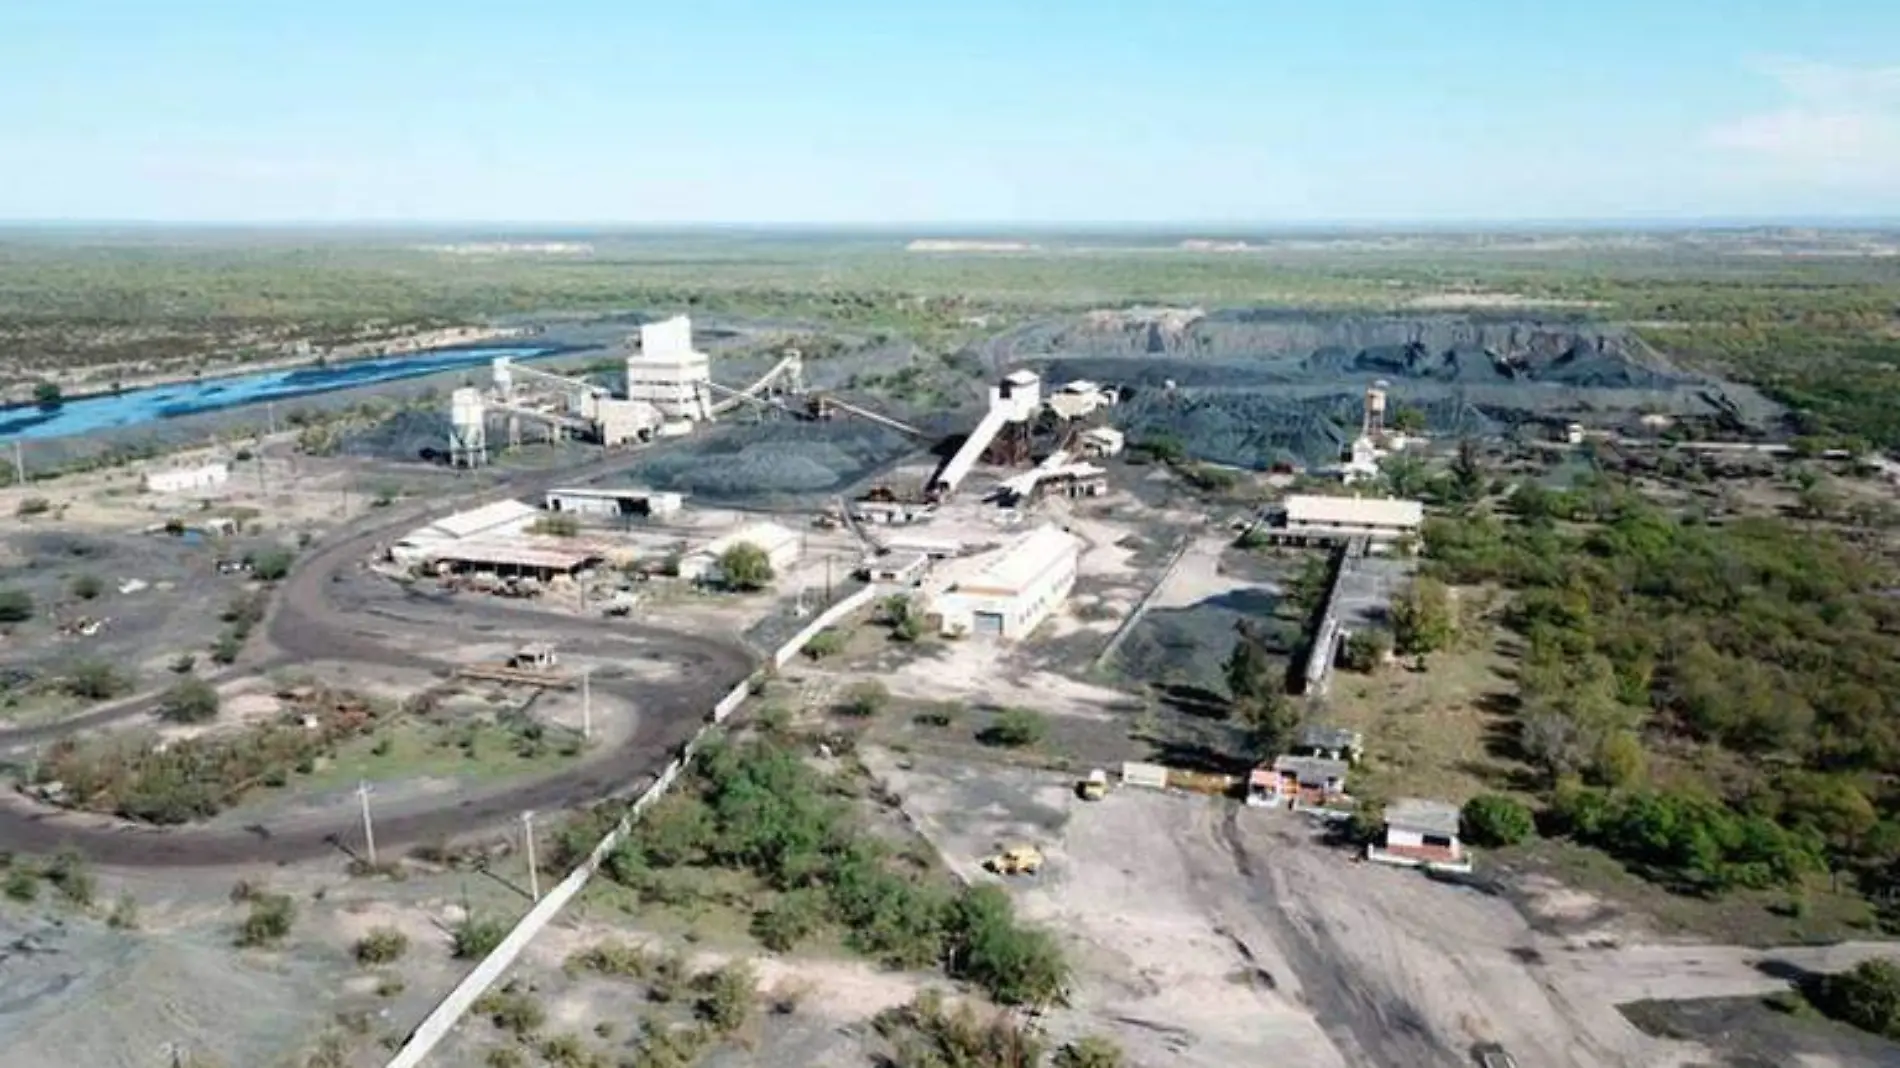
(975, 112)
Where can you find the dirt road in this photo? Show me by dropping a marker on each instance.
(322, 614)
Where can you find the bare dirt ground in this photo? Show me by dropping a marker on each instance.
(1205, 932)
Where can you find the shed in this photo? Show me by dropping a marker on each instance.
(781, 545)
(1422, 833)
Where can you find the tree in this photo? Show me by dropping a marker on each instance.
(1422, 618)
(1467, 473)
(16, 606)
(1249, 667)
(1496, 820)
(95, 680)
(1270, 720)
(191, 700)
(48, 396)
(902, 617)
(1409, 420)
(272, 565)
(1866, 995)
(1620, 760)
(745, 566)
(1367, 649)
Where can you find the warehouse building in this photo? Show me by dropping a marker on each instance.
(544, 559)
(1308, 520)
(1006, 592)
(179, 480)
(781, 545)
(500, 519)
(613, 502)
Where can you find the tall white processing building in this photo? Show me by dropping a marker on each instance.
(669, 373)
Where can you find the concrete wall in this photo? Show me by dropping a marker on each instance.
(449, 1011)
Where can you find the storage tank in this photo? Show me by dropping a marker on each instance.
(468, 427)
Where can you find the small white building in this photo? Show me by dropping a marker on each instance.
(1006, 592)
(669, 374)
(1312, 518)
(613, 502)
(1103, 441)
(1072, 400)
(1420, 833)
(181, 479)
(781, 545)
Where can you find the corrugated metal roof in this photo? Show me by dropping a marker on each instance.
(1355, 511)
(1013, 567)
(515, 554)
(767, 536)
(487, 517)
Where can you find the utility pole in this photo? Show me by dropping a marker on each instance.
(369, 829)
(527, 835)
(270, 416)
(19, 465)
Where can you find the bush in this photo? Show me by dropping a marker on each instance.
(794, 917)
(382, 945)
(69, 875)
(1866, 996)
(269, 921)
(1685, 841)
(1496, 820)
(22, 884)
(477, 937)
(190, 700)
(1090, 1051)
(87, 587)
(1014, 728)
(1015, 964)
(1367, 649)
(125, 913)
(272, 565)
(226, 649)
(34, 506)
(95, 680)
(555, 526)
(16, 606)
(512, 1010)
(865, 700)
(726, 996)
(827, 642)
(183, 663)
(745, 566)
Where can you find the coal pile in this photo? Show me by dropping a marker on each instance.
(1258, 429)
(410, 434)
(769, 459)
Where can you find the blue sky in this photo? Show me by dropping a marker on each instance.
(967, 112)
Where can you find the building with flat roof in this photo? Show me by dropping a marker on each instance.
(541, 558)
(1422, 833)
(782, 547)
(1006, 592)
(613, 502)
(179, 480)
(1307, 519)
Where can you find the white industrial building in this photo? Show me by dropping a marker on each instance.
(613, 502)
(1006, 592)
(781, 545)
(1103, 441)
(500, 519)
(1073, 400)
(669, 374)
(1311, 518)
(178, 480)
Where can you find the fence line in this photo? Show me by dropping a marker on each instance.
(449, 1011)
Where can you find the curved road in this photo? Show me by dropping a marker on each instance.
(318, 615)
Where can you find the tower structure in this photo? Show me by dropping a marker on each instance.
(468, 428)
(1373, 425)
(668, 373)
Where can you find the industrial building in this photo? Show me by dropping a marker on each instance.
(613, 502)
(1013, 403)
(1073, 400)
(543, 559)
(669, 374)
(179, 480)
(1310, 520)
(1103, 442)
(782, 547)
(500, 519)
(1006, 592)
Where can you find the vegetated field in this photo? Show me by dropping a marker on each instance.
(1810, 317)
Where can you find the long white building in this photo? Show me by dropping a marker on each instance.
(1006, 592)
(668, 373)
(178, 480)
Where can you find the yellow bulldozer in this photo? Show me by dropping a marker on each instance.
(1093, 787)
(1015, 860)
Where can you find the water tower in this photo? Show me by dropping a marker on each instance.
(468, 428)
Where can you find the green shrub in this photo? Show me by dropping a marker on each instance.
(31, 506)
(190, 700)
(1090, 1051)
(477, 937)
(865, 700)
(95, 680)
(512, 1010)
(125, 913)
(272, 565)
(1866, 996)
(726, 996)
(16, 606)
(70, 876)
(87, 587)
(827, 642)
(269, 921)
(1016, 965)
(382, 945)
(22, 884)
(1014, 728)
(794, 917)
(1496, 820)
